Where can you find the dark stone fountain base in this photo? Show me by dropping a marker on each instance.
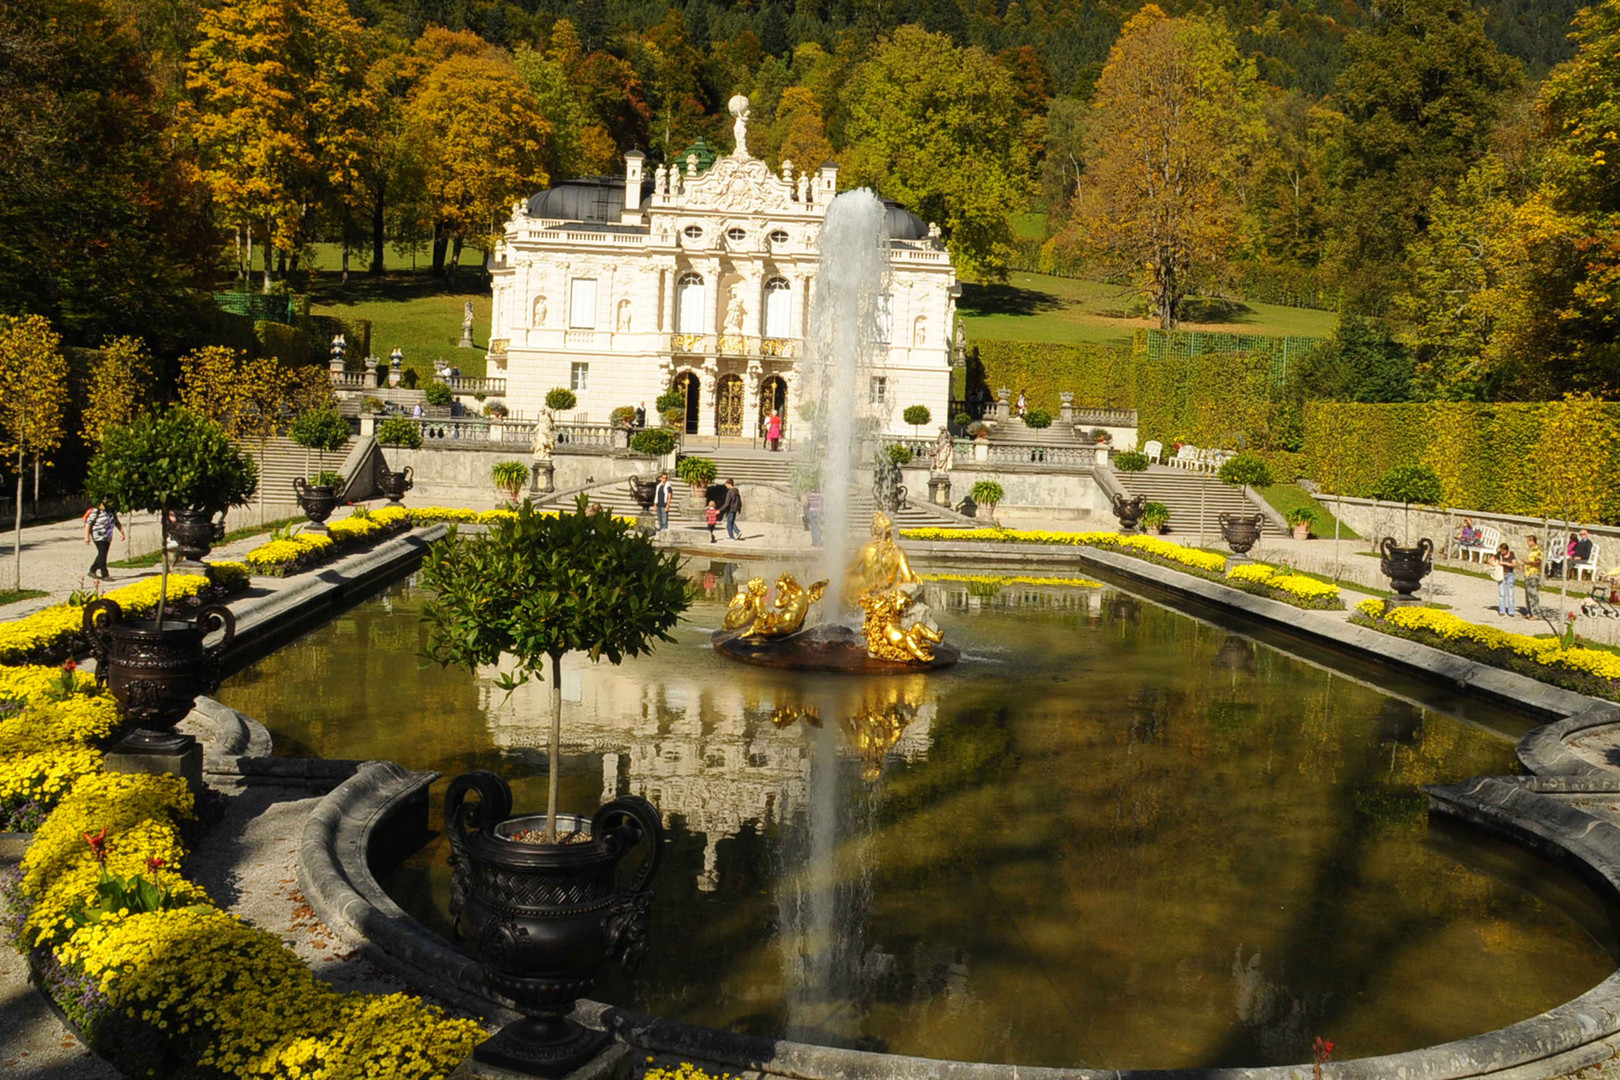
(827, 647)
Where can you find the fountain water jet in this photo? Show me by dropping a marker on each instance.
(839, 355)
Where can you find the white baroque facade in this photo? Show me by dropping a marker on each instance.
(701, 281)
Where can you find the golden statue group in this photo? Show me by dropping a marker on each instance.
(897, 625)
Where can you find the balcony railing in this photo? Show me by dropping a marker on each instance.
(1105, 417)
(581, 434)
(474, 431)
(691, 343)
(734, 345)
(353, 380)
(467, 384)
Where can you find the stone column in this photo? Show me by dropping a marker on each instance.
(1003, 407)
(939, 489)
(751, 382)
(708, 403)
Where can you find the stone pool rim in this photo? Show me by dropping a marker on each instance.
(382, 798)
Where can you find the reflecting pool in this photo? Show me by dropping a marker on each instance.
(1116, 834)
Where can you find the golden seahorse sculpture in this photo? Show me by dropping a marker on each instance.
(746, 606)
(886, 636)
(786, 615)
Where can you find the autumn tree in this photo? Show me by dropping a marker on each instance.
(484, 142)
(278, 115)
(244, 395)
(33, 394)
(121, 387)
(800, 136)
(1174, 119)
(936, 127)
(1420, 93)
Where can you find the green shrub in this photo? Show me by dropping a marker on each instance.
(1246, 470)
(654, 442)
(328, 478)
(1300, 515)
(1038, 418)
(1155, 513)
(696, 471)
(962, 419)
(916, 416)
(988, 493)
(561, 399)
(398, 431)
(675, 418)
(437, 393)
(624, 416)
(497, 410)
(898, 453)
(1410, 484)
(670, 399)
(372, 405)
(1130, 461)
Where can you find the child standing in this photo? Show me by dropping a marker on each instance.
(712, 515)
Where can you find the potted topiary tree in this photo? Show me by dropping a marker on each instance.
(1155, 515)
(654, 442)
(1300, 519)
(671, 405)
(163, 462)
(1242, 531)
(916, 416)
(699, 472)
(1406, 567)
(536, 891)
(323, 430)
(510, 478)
(1038, 419)
(399, 431)
(438, 397)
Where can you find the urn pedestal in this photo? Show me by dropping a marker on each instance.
(540, 476)
(1128, 509)
(317, 501)
(939, 489)
(1241, 531)
(156, 675)
(547, 919)
(1405, 567)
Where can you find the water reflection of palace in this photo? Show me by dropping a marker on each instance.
(722, 754)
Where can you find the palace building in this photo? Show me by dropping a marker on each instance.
(699, 278)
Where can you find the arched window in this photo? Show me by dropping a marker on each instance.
(919, 331)
(778, 308)
(689, 304)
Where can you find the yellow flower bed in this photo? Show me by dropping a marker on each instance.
(229, 574)
(47, 744)
(58, 624)
(1295, 585)
(1451, 629)
(997, 579)
(276, 554)
(1144, 545)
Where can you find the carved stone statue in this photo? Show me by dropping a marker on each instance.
(544, 437)
(944, 451)
(736, 312)
(739, 130)
(466, 325)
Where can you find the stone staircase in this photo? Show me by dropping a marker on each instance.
(280, 460)
(1182, 489)
(1015, 432)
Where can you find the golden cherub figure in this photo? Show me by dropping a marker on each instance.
(746, 606)
(786, 615)
(879, 564)
(887, 638)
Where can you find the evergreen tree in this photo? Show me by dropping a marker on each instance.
(697, 24)
(773, 37)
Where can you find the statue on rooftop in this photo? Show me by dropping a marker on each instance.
(739, 130)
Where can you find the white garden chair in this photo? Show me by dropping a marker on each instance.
(1489, 538)
(1588, 569)
(1154, 449)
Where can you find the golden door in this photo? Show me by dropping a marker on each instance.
(729, 417)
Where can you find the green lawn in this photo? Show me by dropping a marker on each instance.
(413, 311)
(11, 596)
(1037, 307)
(1286, 497)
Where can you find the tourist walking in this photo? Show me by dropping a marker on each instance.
(1531, 566)
(713, 517)
(99, 522)
(812, 516)
(1020, 402)
(731, 508)
(662, 494)
(1502, 567)
(773, 431)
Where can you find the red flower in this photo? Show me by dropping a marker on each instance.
(98, 844)
(69, 665)
(153, 862)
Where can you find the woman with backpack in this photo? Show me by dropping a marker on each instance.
(99, 523)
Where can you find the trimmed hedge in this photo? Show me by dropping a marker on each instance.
(1553, 459)
(1209, 399)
